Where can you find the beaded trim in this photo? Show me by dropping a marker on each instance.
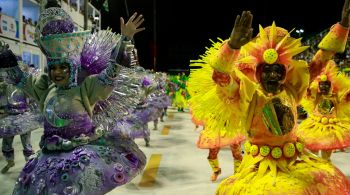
(324, 120)
(288, 150)
(64, 144)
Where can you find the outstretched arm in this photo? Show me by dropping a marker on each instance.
(100, 87)
(332, 43)
(34, 86)
(128, 30)
(242, 30)
(132, 26)
(224, 75)
(125, 47)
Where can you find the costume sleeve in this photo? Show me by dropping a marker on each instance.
(223, 60)
(297, 80)
(99, 87)
(334, 42)
(216, 89)
(95, 89)
(343, 96)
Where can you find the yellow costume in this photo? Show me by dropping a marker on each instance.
(238, 105)
(328, 125)
(208, 139)
(202, 90)
(180, 100)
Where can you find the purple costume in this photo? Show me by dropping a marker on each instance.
(19, 116)
(151, 108)
(79, 152)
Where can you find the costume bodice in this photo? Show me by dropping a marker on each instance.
(65, 114)
(273, 118)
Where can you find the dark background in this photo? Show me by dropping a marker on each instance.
(179, 30)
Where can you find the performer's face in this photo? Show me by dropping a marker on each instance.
(59, 74)
(325, 87)
(272, 76)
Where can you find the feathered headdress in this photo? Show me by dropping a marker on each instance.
(331, 73)
(55, 37)
(273, 45)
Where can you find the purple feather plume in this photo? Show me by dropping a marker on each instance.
(97, 51)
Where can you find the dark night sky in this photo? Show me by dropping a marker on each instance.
(183, 27)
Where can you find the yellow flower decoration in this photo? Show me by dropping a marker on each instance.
(270, 56)
(247, 146)
(264, 150)
(300, 146)
(276, 152)
(289, 150)
(323, 77)
(324, 120)
(254, 150)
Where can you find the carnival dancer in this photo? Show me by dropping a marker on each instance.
(150, 108)
(209, 139)
(327, 103)
(18, 117)
(79, 152)
(258, 87)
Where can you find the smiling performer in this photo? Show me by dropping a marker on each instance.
(327, 104)
(258, 86)
(79, 154)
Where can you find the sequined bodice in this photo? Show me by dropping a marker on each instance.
(65, 114)
(65, 102)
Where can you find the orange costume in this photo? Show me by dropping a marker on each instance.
(275, 161)
(208, 139)
(328, 127)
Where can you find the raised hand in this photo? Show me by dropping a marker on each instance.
(242, 31)
(345, 16)
(3, 46)
(131, 27)
(7, 57)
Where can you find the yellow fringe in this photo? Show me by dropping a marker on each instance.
(264, 175)
(217, 112)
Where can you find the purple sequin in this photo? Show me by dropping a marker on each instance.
(90, 63)
(146, 82)
(82, 125)
(132, 159)
(30, 165)
(58, 27)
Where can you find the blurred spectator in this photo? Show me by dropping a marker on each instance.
(342, 59)
(24, 19)
(94, 26)
(53, 3)
(30, 21)
(74, 5)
